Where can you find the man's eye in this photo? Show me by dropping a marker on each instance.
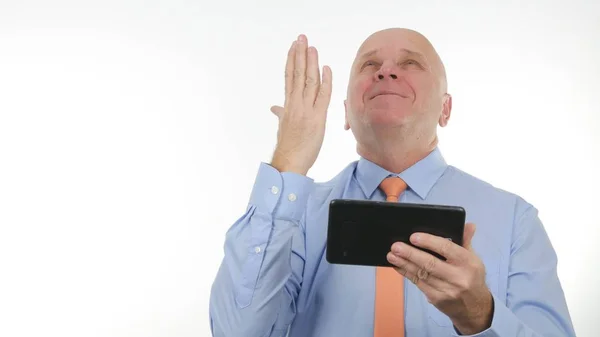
(368, 64)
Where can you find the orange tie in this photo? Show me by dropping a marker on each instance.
(389, 284)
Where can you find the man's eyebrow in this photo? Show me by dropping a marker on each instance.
(408, 52)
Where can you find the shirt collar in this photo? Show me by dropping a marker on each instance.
(420, 177)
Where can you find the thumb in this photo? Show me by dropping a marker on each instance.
(468, 235)
(277, 110)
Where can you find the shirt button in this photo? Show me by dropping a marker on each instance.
(292, 197)
(257, 249)
(274, 190)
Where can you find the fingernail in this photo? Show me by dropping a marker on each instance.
(301, 38)
(397, 248)
(416, 238)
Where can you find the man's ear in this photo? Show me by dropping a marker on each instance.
(346, 124)
(446, 110)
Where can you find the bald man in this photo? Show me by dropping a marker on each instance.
(274, 279)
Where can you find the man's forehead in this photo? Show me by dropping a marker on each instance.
(394, 36)
(395, 42)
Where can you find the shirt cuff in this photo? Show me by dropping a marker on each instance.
(283, 194)
(503, 323)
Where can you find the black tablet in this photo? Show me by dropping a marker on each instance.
(361, 232)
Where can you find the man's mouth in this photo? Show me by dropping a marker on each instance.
(388, 93)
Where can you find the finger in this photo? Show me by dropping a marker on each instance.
(313, 78)
(429, 263)
(446, 248)
(277, 110)
(324, 95)
(468, 235)
(429, 291)
(289, 71)
(300, 66)
(415, 273)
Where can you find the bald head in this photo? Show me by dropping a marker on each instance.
(406, 41)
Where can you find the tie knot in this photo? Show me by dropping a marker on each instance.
(393, 187)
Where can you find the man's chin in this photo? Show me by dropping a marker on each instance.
(387, 118)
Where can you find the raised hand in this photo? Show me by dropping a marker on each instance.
(303, 116)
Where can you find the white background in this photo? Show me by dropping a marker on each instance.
(131, 133)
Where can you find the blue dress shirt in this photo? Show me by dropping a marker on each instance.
(274, 278)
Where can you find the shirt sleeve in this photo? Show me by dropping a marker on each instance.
(535, 304)
(257, 284)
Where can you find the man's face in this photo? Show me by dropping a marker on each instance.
(396, 80)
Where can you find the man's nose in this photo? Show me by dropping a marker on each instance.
(387, 70)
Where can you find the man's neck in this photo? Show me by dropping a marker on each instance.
(397, 156)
